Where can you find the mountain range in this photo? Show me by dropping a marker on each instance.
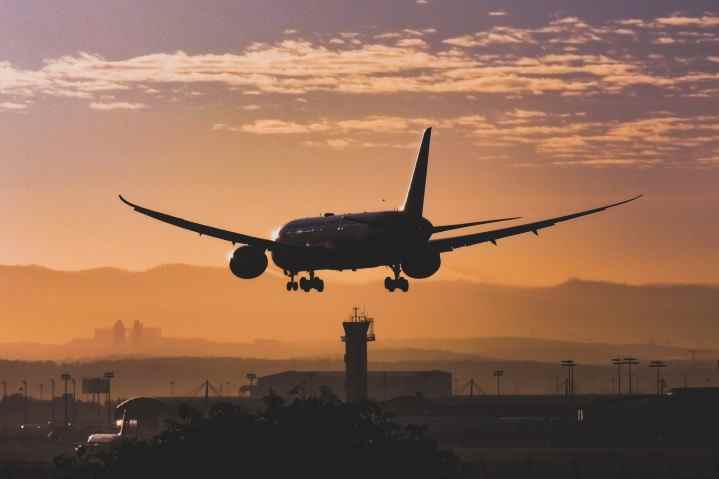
(207, 310)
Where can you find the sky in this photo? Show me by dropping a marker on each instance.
(247, 114)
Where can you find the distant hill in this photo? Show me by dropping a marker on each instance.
(44, 306)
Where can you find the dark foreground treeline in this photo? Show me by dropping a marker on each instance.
(318, 437)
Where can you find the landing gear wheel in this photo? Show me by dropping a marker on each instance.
(291, 284)
(319, 285)
(398, 282)
(305, 284)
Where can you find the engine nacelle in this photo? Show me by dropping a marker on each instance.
(248, 262)
(421, 264)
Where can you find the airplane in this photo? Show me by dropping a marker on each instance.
(399, 239)
(100, 439)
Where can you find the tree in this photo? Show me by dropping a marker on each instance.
(315, 437)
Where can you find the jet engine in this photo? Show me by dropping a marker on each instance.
(248, 262)
(421, 264)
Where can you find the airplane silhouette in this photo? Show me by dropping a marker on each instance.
(400, 239)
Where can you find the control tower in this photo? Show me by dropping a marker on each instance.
(359, 330)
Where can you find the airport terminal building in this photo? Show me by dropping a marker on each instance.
(381, 385)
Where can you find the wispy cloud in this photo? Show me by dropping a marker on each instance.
(558, 140)
(706, 21)
(118, 105)
(403, 61)
(12, 106)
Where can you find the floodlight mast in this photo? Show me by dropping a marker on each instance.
(630, 362)
(618, 362)
(66, 379)
(570, 364)
(498, 373)
(659, 365)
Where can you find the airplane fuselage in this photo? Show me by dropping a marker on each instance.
(350, 241)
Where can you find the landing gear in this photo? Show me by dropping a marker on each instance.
(291, 284)
(398, 282)
(305, 284)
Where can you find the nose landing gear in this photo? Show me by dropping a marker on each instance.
(398, 282)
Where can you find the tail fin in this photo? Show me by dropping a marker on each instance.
(414, 201)
(123, 424)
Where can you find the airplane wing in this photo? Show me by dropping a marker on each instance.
(448, 244)
(204, 229)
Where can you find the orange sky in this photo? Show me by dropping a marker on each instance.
(246, 124)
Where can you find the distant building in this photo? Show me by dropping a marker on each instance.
(141, 334)
(118, 333)
(118, 336)
(381, 385)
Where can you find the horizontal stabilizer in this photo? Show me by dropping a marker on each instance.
(439, 229)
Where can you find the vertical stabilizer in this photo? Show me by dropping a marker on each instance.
(414, 201)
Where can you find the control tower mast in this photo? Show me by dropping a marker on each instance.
(359, 330)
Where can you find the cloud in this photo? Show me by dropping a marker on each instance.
(223, 127)
(517, 113)
(552, 59)
(280, 127)
(497, 13)
(12, 106)
(556, 139)
(421, 2)
(412, 43)
(251, 107)
(707, 21)
(118, 105)
(709, 161)
(495, 36)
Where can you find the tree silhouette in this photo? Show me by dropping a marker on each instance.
(318, 437)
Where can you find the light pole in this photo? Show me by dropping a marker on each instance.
(66, 379)
(252, 377)
(109, 376)
(25, 402)
(630, 362)
(618, 362)
(570, 365)
(172, 388)
(498, 373)
(52, 400)
(659, 365)
(471, 385)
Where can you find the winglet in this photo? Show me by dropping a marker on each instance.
(122, 198)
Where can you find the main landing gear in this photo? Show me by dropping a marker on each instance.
(306, 284)
(398, 282)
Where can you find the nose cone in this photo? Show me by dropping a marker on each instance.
(275, 235)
